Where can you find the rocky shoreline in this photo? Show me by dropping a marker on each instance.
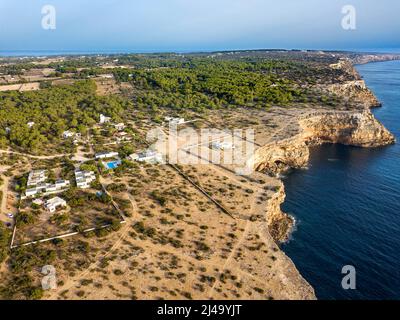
(360, 129)
(354, 128)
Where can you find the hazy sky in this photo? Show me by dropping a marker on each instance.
(182, 25)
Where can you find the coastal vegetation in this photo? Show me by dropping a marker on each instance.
(201, 84)
(158, 82)
(53, 110)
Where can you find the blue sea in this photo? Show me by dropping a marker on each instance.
(347, 206)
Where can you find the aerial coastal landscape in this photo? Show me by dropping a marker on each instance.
(82, 191)
(199, 159)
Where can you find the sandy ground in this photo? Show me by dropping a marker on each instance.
(3, 208)
(31, 86)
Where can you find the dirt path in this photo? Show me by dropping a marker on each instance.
(230, 257)
(234, 250)
(34, 157)
(124, 231)
(3, 208)
(69, 283)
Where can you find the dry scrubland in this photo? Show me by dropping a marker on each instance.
(189, 231)
(176, 243)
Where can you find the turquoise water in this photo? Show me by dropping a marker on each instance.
(348, 206)
(113, 164)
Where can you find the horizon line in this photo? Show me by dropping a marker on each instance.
(44, 52)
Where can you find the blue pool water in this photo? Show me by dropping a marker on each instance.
(113, 164)
(348, 206)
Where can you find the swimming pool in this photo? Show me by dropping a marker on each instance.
(112, 164)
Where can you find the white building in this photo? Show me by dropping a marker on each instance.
(84, 178)
(119, 126)
(61, 184)
(53, 203)
(34, 191)
(68, 134)
(104, 119)
(222, 145)
(104, 155)
(37, 180)
(30, 124)
(106, 76)
(36, 176)
(149, 156)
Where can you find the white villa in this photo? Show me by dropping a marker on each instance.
(37, 184)
(53, 203)
(68, 134)
(106, 76)
(47, 188)
(37, 176)
(149, 156)
(222, 145)
(84, 178)
(30, 124)
(104, 119)
(104, 155)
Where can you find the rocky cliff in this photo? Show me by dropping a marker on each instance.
(356, 92)
(360, 129)
(367, 58)
(345, 127)
(279, 223)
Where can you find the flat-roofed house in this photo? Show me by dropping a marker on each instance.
(36, 176)
(68, 134)
(60, 184)
(31, 192)
(84, 178)
(37, 184)
(39, 188)
(104, 119)
(51, 188)
(53, 203)
(104, 155)
(149, 156)
(106, 76)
